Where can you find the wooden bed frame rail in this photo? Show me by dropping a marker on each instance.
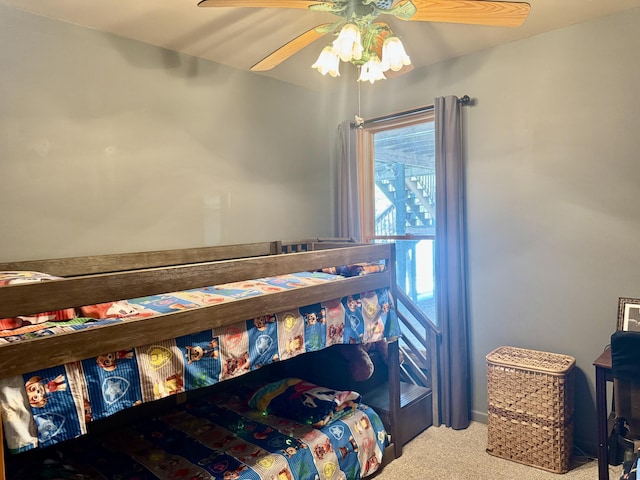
(119, 262)
(111, 263)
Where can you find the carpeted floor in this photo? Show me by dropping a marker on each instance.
(441, 453)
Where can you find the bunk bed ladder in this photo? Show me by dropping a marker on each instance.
(419, 350)
(418, 375)
(413, 373)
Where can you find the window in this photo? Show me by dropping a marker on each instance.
(397, 165)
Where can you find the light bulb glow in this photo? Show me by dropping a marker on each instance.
(328, 62)
(394, 56)
(371, 71)
(348, 45)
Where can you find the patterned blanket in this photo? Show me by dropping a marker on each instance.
(215, 438)
(42, 408)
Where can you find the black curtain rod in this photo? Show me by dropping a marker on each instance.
(464, 100)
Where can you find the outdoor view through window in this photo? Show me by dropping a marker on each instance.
(402, 186)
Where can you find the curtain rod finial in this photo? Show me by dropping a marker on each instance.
(465, 100)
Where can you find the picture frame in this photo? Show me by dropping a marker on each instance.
(628, 314)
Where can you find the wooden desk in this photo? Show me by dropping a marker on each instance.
(603, 375)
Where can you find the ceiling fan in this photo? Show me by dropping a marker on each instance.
(372, 34)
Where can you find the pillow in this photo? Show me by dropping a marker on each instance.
(304, 402)
(119, 309)
(16, 277)
(19, 277)
(356, 269)
(10, 323)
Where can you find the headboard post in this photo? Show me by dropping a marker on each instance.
(394, 364)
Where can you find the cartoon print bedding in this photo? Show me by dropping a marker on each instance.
(216, 437)
(45, 407)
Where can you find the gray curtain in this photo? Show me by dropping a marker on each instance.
(450, 253)
(348, 194)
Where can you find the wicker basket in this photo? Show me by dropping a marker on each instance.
(530, 411)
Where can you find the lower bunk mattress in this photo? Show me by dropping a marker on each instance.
(223, 437)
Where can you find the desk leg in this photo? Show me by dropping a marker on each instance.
(2, 472)
(601, 410)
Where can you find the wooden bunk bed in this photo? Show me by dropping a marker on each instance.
(110, 278)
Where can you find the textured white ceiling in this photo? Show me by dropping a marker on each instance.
(240, 37)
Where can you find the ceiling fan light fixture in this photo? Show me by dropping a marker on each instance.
(362, 35)
(394, 56)
(371, 71)
(328, 62)
(348, 45)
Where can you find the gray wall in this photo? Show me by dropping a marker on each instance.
(109, 145)
(552, 148)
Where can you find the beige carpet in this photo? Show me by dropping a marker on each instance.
(447, 454)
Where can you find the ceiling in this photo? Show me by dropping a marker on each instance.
(240, 37)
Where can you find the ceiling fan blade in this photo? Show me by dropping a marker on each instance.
(474, 12)
(304, 4)
(289, 48)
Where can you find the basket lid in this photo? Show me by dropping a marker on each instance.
(553, 363)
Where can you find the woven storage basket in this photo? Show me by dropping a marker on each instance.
(530, 411)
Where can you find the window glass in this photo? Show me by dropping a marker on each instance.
(397, 159)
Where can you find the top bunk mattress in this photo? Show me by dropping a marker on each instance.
(70, 320)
